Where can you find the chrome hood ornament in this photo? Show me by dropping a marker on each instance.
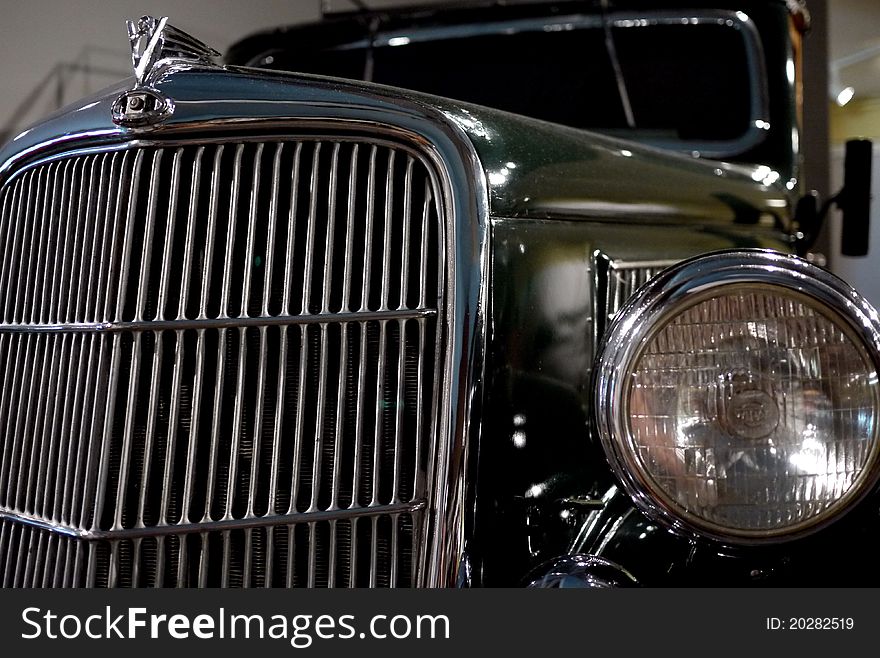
(155, 43)
(156, 47)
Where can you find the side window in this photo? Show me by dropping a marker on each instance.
(686, 82)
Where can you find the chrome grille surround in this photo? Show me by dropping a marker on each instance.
(113, 470)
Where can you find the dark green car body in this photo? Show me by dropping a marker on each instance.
(550, 229)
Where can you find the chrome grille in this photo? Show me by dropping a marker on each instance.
(221, 365)
(623, 279)
(616, 280)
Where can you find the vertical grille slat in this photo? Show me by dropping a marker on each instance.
(258, 426)
(222, 365)
(170, 226)
(193, 445)
(387, 233)
(35, 505)
(95, 429)
(379, 426)
(339, 415)
(275, 501)
(52, 504)
(317, 449)
(230, 235)
(214, 483)
(53, 228)
(128, 435)
(248, 265)
(169, 482)
(153, 340)
(77, 269)
(27, 248)
(29, 483)
(104, 229)
(89, 237)
(348, 265)
(299, 422)
(39, 246)
(118, 268)
(331, 230)
(192, 221)
(71, 426)
(86, 420)
(213, 203)
(272, 228)
(147, 245)
(24, 439)
(291, 232)
(9, 409)
(232, 476)
(10, 285)
(308, 269)
(7, 225)
(60, 268)
(368, 234)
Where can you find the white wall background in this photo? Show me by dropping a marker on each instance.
(38, 36)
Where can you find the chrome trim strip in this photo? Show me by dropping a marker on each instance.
(225, 524)
(219, 323)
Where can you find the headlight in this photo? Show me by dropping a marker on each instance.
(737, 396)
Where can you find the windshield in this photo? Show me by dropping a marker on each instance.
(692, 83)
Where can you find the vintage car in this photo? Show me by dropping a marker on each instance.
(497, 295)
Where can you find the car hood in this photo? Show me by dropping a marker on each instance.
(532, 169)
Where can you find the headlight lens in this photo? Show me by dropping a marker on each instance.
(738, 396)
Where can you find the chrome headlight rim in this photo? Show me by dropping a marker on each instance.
(670, 293)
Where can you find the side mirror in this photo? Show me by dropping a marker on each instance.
(809, 217)
(854, 200)
(855, 197)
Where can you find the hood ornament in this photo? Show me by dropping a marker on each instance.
(156, 47)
